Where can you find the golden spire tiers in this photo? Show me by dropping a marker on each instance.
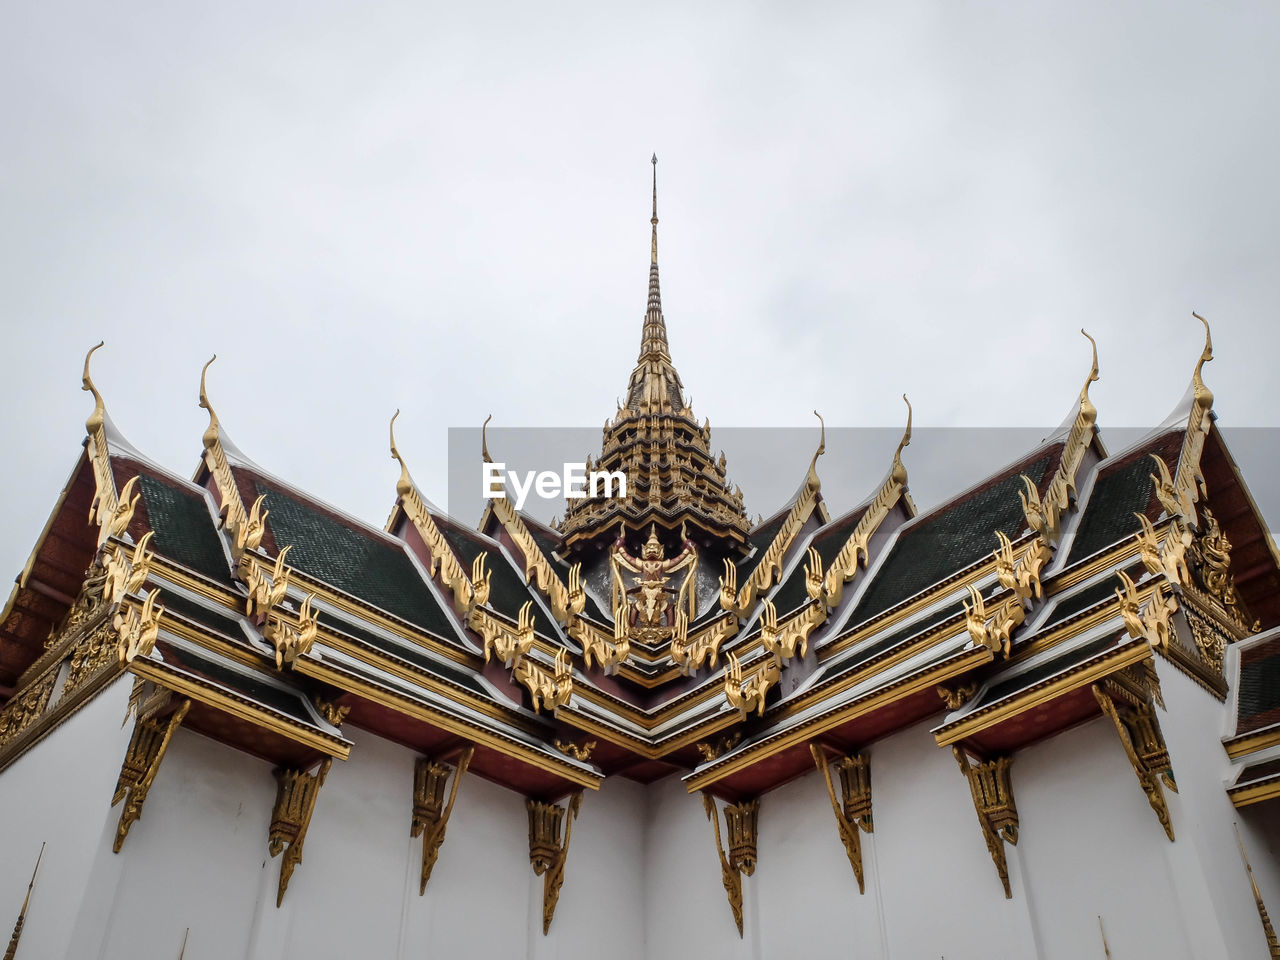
(672, 478)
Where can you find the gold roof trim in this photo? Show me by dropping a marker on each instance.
(442, 557)
(854, 553)
(769, 570)
(110, 511)
(245, 527)
(1045, 515)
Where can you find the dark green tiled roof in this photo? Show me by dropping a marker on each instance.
(948, 541)
(761, 540)
(828, 542)
(404, 649)
(507, 590)
(362, 565)
(220, 621)
(1119, 493)
(184, 528)
(286, 701)
(1081, 600)
(1055, 665)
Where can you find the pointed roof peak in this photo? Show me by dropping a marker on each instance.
(654, 381)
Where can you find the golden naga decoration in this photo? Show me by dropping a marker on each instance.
(246, 529)
(511, 646)
(600, 648)
(690, 655)
(994, 628)
(296, 793)
(854, 554)
(647, 605)
(1209, 556)
(1188, 481)
(333, 713)
(747, 690)
(741, 824)
(109, 512)
(1045, 516)
(1167, 555)
(147, 748)
(548, 689)
(430, 812)
(453, 576)
(137, 629)
(1152, 621)
(265, 591)
(548, 852)
(992, 792)
(792, 637)
(290, 640)
(1273, 942)
(16, 936)
(566, 601)
(125, 574)
(1143, 743)
(579, 751)
(769, 570)
(1022, 576)
(713, 750)
(853, 811)
(957, 696)
(481, 578)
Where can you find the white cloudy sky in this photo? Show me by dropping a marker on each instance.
(443, 208)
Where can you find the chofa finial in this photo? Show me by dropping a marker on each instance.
(1205, 356)
(822, 448)
(404, 485)
(484, 439)
(211, 432)
(98, 417)
(900, 471)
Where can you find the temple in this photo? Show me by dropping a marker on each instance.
(1041, 719)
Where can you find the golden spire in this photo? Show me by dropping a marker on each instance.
(654, 382)
(22, 915)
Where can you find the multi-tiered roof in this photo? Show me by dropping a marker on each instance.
(242, 607)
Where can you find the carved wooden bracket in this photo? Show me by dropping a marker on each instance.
(296, 793)
(992, 792)
(742, 825)
(853, 810)
(147, 747)
(430, 812)
(548, 851)
(1140, 735)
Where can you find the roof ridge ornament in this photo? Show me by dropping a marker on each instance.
(404, 486)
(245, 526)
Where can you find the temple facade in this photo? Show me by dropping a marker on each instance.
(1039, 720)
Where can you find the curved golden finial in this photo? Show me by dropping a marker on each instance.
(99, 415)
(484, 439)
(1202, 392)
(1087, 409)
(211, 432)
(899, 471)
(404, 486)
(1093, 370)
(822, 448)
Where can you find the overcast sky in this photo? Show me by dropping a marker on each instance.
(444, 208)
